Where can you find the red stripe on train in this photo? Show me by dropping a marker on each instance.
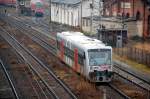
(76, 59)
(62, 50)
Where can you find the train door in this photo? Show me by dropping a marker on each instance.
(62, 50)
(85, 65)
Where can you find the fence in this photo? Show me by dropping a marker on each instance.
(138, 55)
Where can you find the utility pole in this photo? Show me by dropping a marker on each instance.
(50, 15)
(92, 7)
(81, 15)
(17, 5)
(50, 11)
(100, 25)
(123, 16)
(100, 11)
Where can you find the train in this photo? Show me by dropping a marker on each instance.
(87, 56)
(37, 7)
(8, 2)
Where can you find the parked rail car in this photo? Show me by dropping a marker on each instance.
(37, 6)
(89, 57)
(8, 2)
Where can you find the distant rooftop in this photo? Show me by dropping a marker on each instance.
(98, 18)
(66, 1)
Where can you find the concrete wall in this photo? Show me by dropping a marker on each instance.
(135, 28)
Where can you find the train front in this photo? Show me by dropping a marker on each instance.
(100, 64)
(37, 6)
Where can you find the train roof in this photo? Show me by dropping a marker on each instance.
(82, 41)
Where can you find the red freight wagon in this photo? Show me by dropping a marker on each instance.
(7, 2)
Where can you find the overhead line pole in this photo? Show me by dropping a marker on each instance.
(81, 15)
(50, 11)
(100, 14)
(17, 6)
(123, 16)
(50, 15)
(100, 24)
(92, 7)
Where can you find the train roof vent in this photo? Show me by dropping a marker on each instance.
(66, 33)
(98, 41)
(90, 39)
(78, 33)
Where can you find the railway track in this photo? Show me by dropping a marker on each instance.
(54, 85)
(133, 78)
(11, 84)
(41, 42)
(9, 80)
(37, 38)
(138, 79)
(23, 80)
(48, 43)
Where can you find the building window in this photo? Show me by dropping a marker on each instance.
(87, 22)
(123, 14)
(127, 15)
(83, 22)
(71, 18)
(138, 15)
(149, 25)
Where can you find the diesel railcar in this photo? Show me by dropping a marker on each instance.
(89, 57)
(37, 6)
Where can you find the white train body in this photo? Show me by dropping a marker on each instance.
(89, 57)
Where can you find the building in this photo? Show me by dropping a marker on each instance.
(103, 22)
(135, 12)
(70, 11)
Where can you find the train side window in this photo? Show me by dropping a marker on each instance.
(69, 53)
(138, 15)
(58, 45)
(80, 59)
(84, 55)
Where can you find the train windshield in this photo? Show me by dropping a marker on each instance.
(99, 57)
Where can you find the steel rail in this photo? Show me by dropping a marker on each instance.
(36, 80)
(56, 78)
(36, 37)
(29, 25)
(49, 50)
(45, 83)
(138, 85)
(40, 43)
(129, 73)
(144, 80)
(119, 92)
(21, 28)
(50, 72)
(36, 40)
(9, 80)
